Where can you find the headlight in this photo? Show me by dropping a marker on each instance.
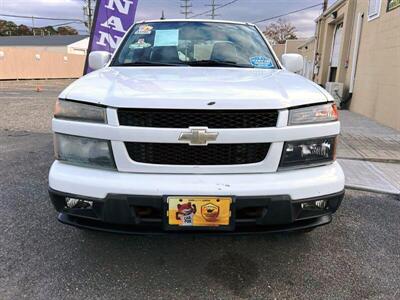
(305, 153)
(313, 114)
(83, 151)
(79, 111)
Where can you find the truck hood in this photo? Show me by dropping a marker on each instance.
(195, 88)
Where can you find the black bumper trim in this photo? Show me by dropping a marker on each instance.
(260, 214)
(126, 229)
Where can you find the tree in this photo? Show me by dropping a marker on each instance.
(66, 30)
(49, 30)
(280, 31)
(7, 28)
(23, 30)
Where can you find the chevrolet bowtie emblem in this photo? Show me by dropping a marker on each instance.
(198, 136)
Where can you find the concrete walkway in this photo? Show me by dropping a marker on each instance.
(369, 154)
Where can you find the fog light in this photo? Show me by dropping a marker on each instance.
(78, 203)
(321, 203)
(314, 205)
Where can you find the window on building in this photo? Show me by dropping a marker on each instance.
(374, 9)
(392, 4)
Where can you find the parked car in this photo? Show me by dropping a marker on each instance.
(195, 126)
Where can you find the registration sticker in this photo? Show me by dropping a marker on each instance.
(144, 29)
(140, 44)
(261, 62)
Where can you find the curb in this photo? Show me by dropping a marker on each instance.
(369, 189)
(378, 160)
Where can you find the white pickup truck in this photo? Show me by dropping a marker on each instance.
(195, 126)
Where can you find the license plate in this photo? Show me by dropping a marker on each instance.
(199, 212)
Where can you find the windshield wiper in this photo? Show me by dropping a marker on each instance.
(217, 63)
(198, 63)
(147, 63)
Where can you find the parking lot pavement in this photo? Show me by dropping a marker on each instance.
(355, 257)
(24, 108)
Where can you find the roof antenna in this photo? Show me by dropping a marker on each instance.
(162, 15)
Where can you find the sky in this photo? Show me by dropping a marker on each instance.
(242, 10)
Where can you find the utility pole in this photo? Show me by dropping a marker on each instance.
(213, 8)
(90, 15)
(186, 6)
(88, 12)
(325, 5)
(33, 25)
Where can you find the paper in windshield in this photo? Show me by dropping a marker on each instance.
(166, 38)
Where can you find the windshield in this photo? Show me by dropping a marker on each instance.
(194, 44)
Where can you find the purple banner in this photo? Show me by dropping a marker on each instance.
(112, 19)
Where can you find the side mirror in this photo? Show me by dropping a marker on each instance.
(98, 59)
(293, 62)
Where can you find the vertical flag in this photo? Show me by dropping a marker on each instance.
(112, 18)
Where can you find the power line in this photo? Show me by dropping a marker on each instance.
(40, 18)
(43, 29)
(62, 24)
(286, 14)
(218, 7)
(186, 5)
(33, 18)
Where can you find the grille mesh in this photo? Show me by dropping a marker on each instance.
(182, 154)
(165, 118)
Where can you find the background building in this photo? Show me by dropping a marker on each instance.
(290, 46)
(307, 49)
(42, 57)
(357, 56)
(304, 47)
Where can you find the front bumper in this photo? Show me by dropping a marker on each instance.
(144, 214)
(298, 184)
(133, 202)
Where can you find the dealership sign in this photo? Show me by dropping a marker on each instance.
(112, 19)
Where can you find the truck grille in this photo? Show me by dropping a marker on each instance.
(182, 154)
(166, 118)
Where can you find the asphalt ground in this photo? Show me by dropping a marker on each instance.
(357, 256)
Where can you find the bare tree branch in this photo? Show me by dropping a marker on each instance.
(280, 31)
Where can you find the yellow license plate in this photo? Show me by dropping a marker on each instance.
(199, 211)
